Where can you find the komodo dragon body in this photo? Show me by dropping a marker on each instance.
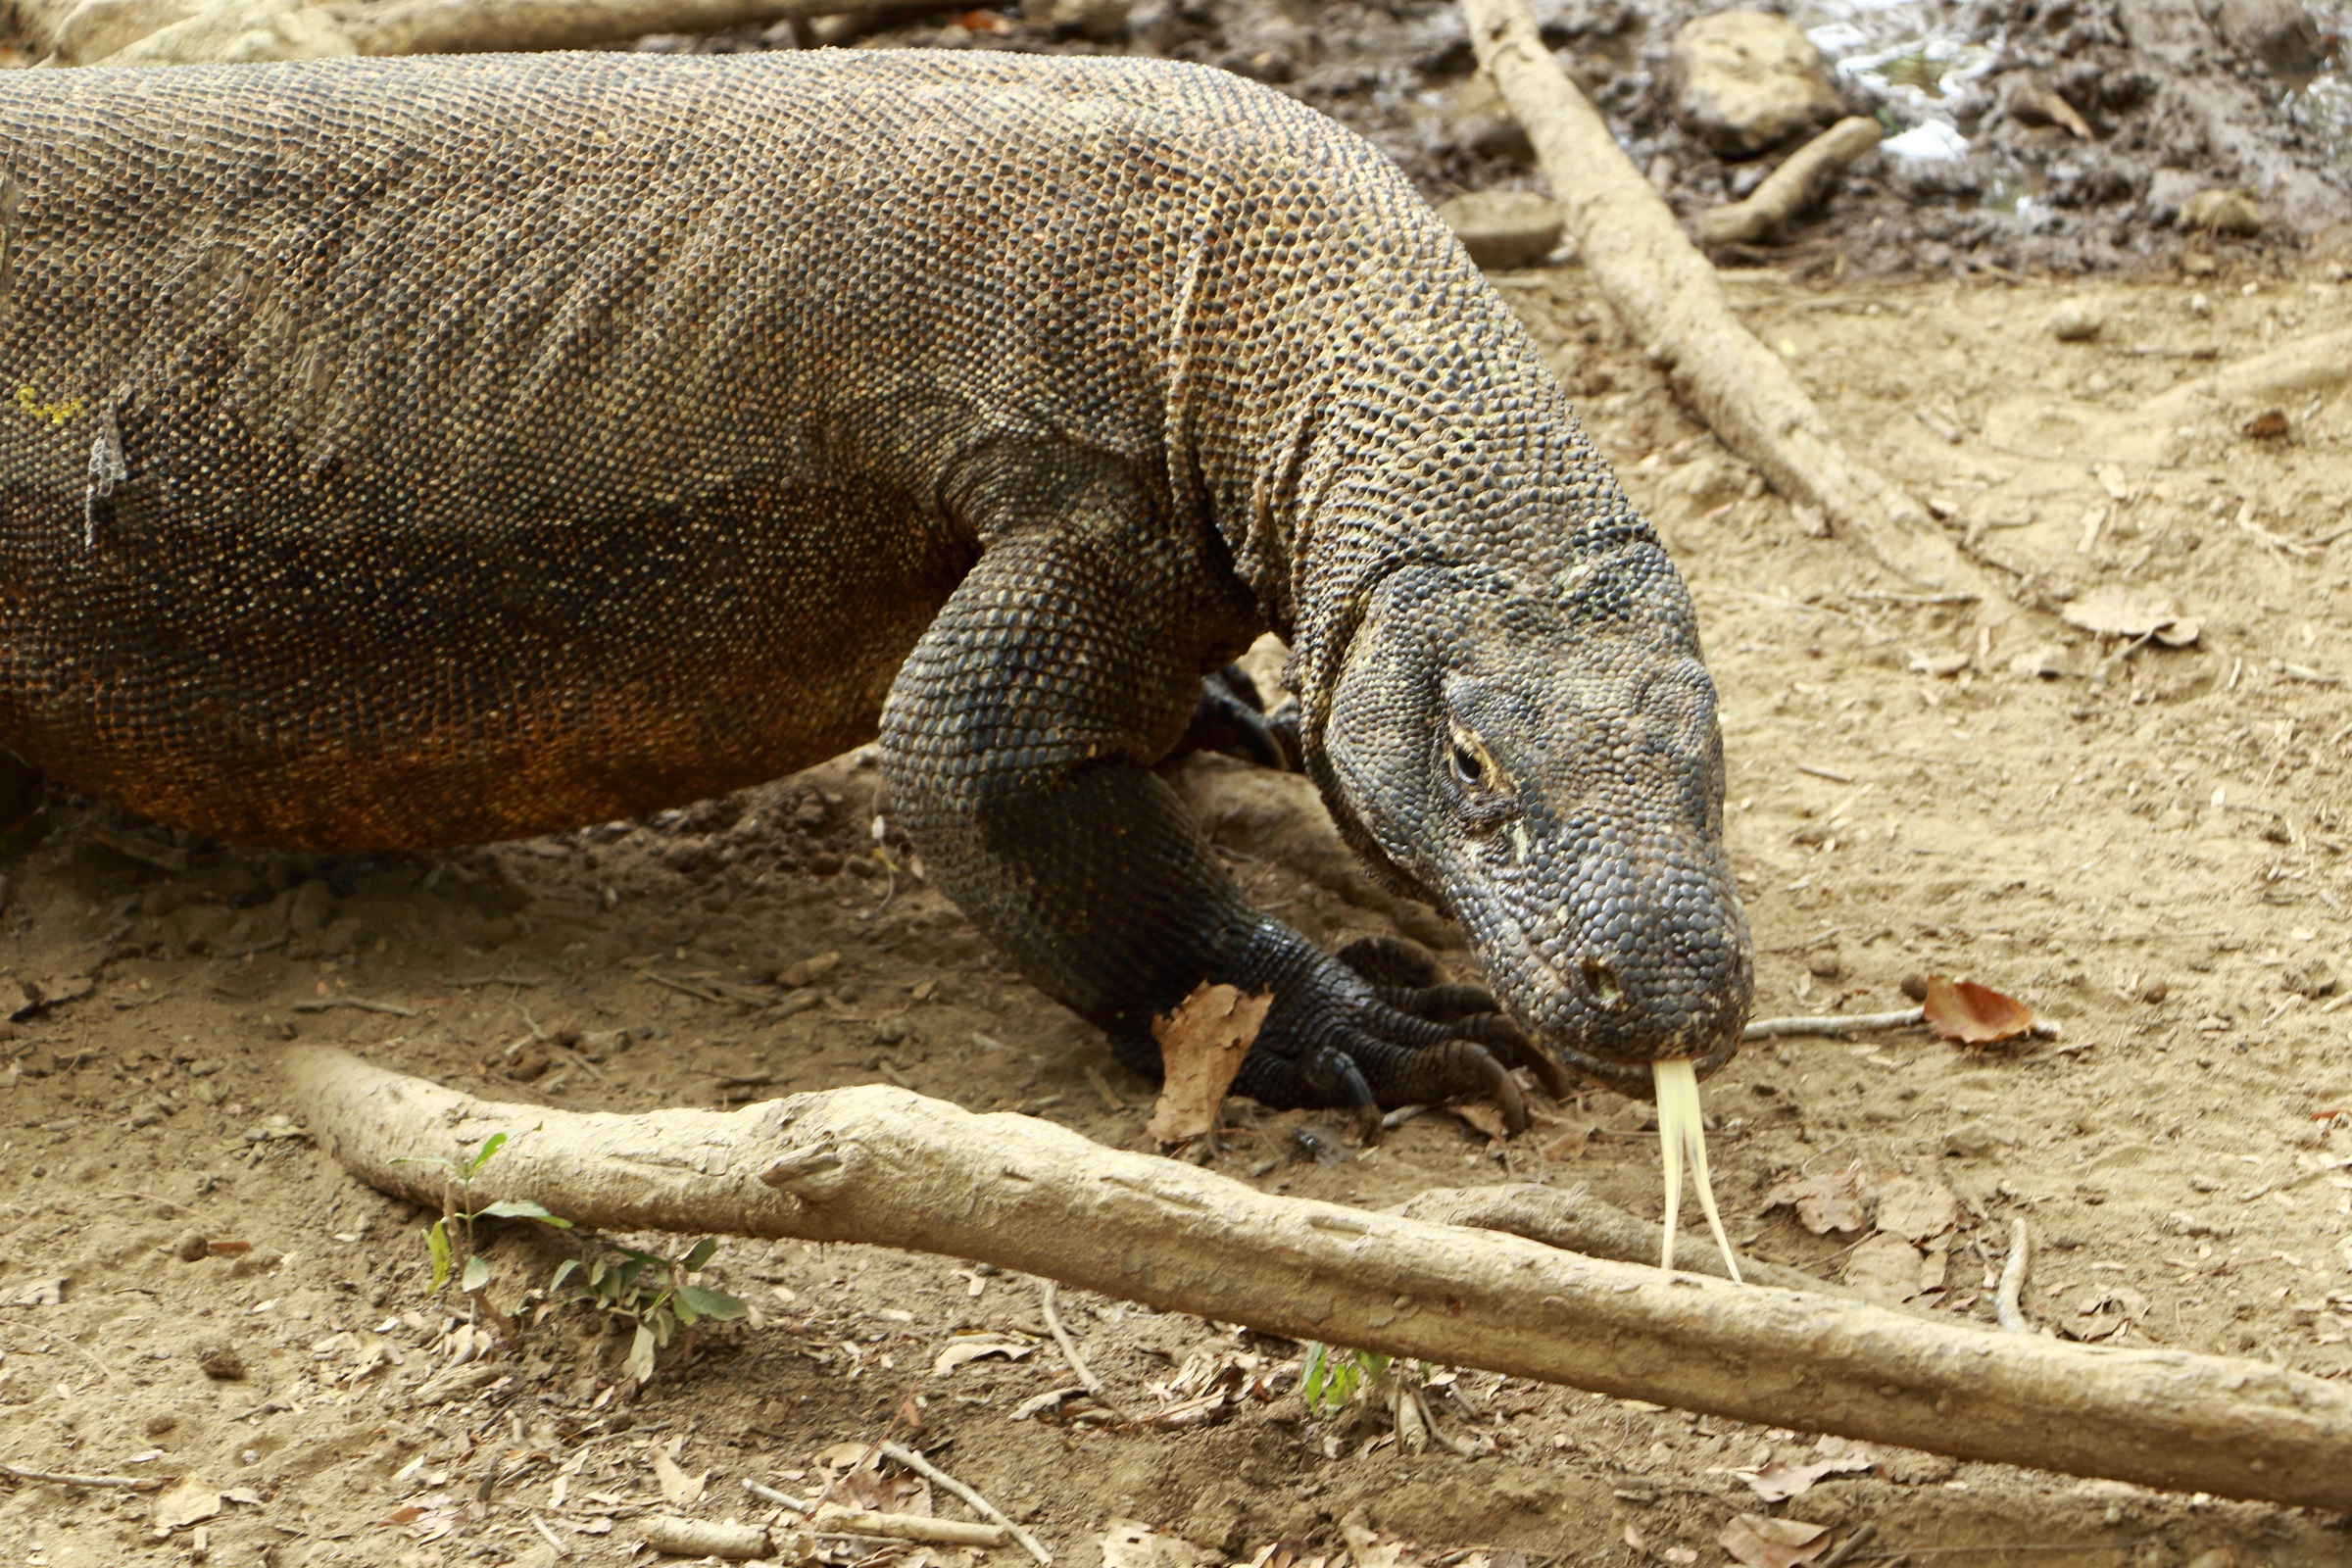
(398, 453)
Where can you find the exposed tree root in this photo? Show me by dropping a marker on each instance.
(1794, 187)
(1670, 298)
(885, 1166)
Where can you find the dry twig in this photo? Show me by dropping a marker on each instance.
(66, 1478)
(979, 1505)
(1833, 1024)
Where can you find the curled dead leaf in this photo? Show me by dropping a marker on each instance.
(1974, 1014)
(189, 1502)
(2112, 609)
(963, 1351)
(1201, 1046)
(1822, 1203)
(1762, 1543)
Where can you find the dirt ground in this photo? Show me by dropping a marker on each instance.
(2146, 844)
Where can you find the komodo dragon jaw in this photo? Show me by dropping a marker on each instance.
(1548, 770)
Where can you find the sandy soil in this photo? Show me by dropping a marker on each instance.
(2146, 844)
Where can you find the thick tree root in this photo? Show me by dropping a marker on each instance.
(1671, 299)
(885, 1166)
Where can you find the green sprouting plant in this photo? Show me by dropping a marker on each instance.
(448, 1239)
(1330, 1377)
(651, 1291)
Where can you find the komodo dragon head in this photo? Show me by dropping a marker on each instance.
(1542, 761)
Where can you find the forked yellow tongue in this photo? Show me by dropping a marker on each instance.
(1681, 1133)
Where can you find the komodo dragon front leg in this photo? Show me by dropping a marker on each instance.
(1018, 742)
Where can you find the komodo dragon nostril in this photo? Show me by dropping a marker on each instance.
(1604, 981)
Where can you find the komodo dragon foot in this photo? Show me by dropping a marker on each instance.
(1373, 1025)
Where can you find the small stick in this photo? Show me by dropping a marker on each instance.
(981, 1505)
(782, 1500)
(1845, 1024)
(2013, 1279)
(1069, 1350)
(357, 1004)
(835, 1520)
(66, 1478)
(702, 1537)
(1843, 1552)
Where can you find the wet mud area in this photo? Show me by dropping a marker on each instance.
(2147, 844)
(2022, 136)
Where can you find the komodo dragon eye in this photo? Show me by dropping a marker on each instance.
(1474, 766)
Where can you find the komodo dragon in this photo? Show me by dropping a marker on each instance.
(407, 453)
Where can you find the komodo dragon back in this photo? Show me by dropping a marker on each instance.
(405, 453)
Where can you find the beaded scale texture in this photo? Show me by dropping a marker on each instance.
(412, 453)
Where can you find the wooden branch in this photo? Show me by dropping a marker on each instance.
(1794, 187)
(1576, 1221)
(1843, 1023)
(1671, 299)
(882, 1165)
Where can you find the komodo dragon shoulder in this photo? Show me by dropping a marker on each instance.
(407, 453)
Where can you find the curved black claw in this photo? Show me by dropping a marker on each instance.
(1392, 961)
(1229, 719)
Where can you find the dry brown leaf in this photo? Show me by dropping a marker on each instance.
(1779, 1481)
(678, 1489)
(1201, 1045)
(1763, 1543)
(2112, 609)
(1885, 1268)
(1133, 1544)
(40, 1293)
(1481, 1117)
(189, 1502)
(1974, 1014)
(1822, 1203)
(961, 1352)
(1917, 1210)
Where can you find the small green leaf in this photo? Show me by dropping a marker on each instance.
(717, 1305)
(663, 1323)
(436, 1243)
(481, 1157)
(476, 1275)
(563, 1271)
(685, 1311)
(598, 1270)
(700, 1255)
(641, 1354)
(521, 1208)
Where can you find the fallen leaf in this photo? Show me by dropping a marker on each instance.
(2112, 609)
(1917, 1210)
(1822, 1203)
(1481, 1117)
(1779, 1481)
(1885, 1268)
(40, 1293)
(1974, 1014)
(185, 1505)
(1762, 1543)
(1201, 1045)
(962, 1350)
(1133, 1544)
(2268, 425)
(678, 1489)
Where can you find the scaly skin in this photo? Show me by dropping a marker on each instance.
(410, 453)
